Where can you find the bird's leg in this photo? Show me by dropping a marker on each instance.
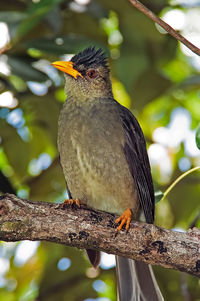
(125, 218)
(71, 202)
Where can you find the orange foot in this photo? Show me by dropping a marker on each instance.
(71, 202)
(125, 218)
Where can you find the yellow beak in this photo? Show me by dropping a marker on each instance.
(67, 67)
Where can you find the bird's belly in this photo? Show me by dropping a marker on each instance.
(101, 179)
(104, 196)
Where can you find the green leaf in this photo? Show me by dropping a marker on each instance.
(49, 185)
(12, 16)
(54, 20)
(130, 66)
(11, 141)
(36, 12)
(62, 44)
(158, 196)
(150, 85)
(190, 83)
(198, 224)
(22, 67)
(197, 136)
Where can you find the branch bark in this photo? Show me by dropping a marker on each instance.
(164, 25)
(85, 228)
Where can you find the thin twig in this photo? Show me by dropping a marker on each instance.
(178, 180)
(164, 25)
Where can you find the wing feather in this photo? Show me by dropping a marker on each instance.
(138, 161)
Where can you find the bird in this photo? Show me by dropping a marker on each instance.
(104, 160)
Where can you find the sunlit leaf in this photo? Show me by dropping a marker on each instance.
(158, 196)
(197, 137)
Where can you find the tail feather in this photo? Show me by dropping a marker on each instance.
(94, 257)
(136, 281)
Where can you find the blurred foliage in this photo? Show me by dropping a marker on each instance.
(198, 136)
(151, 76)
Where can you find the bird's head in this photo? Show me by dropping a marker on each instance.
(87, 74)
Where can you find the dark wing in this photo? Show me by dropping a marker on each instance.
(138, 161)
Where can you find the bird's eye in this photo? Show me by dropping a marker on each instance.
(92, 73)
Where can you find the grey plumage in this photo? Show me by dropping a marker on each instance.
(94, 142)
(104, 160)
(136, 281)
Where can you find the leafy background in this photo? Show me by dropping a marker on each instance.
(152, 74)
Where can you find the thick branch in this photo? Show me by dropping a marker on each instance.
(84, 228)
(164, 25)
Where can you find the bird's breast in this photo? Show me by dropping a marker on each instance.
(93, 161)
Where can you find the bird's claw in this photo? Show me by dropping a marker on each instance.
(125, 218)
(71, 202)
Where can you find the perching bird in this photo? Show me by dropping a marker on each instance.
(104, 160)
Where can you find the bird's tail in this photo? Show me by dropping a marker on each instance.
(136, 281)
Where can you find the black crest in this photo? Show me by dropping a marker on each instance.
(90, 57)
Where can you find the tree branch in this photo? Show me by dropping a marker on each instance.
(164, 25)
(85, 228)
